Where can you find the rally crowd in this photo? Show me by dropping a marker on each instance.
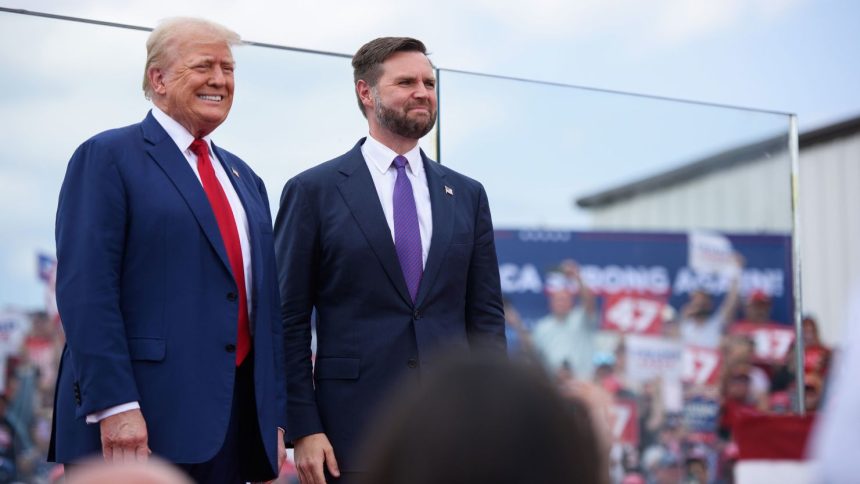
(667, 425)
(669, 390)
(33, 343)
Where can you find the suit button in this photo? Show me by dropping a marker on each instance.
(416, 314)
(230, 348)
(231, 296)
(412, 363)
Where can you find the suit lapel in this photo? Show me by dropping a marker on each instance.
(242, 187)
(163, 150)
(359, 193)
(442, 207)
(240, 184)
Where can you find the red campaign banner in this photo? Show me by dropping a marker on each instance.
(700, 366)
(772, 340)
(633, 313)
(773, 437)
(624, 421)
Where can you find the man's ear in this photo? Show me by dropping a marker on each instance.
(156, 80)
(363, 89)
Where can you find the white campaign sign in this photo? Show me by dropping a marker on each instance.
(710, 252)
(652, 357)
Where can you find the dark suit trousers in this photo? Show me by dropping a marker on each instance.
(242, 457)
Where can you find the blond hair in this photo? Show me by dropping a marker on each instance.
(162, 41)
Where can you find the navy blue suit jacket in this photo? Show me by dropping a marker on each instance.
(148, 301)
(336, 255)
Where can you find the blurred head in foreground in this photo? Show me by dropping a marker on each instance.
(153, 471)
(487, 421)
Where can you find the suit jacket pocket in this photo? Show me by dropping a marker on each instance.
(337, 368)
(147, 349)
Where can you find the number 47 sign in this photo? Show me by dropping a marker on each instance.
(771, 340)
(633, 313)
(624, 422)
(700, 366)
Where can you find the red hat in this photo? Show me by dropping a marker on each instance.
(759, 296)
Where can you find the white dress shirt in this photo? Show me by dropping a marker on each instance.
(379, 159)
(183, 140)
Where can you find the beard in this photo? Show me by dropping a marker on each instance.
(398, 122)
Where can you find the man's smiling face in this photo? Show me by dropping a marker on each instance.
(197, 85)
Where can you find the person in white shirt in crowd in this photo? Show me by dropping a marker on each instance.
(702, 326)
(565, 336)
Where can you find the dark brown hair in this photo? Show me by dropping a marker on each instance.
(485, 421)
(367, 62)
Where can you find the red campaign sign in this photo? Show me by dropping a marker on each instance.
(633, 313)
(700, 366)
(624, 421)
(772, 340)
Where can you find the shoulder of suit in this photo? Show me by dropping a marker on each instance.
(116, 136)
(109, 145)
(326, 171)
(458, 178)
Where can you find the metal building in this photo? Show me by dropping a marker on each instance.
(746, 189)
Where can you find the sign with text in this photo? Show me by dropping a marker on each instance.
(701, 416)
(624, 420)
(649, 358)
(648, 264)
(633, 313)
(700, 366)
(772, 340)
(710, 252)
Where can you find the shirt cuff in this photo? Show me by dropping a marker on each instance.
(109, 412)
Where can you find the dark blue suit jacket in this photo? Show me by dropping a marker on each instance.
(336, 255)
(148, 301)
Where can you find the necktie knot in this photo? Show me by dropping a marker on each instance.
(400, 162)
(199, 147)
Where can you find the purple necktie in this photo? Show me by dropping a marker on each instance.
(407, 235)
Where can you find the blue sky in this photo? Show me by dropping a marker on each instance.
(70, 81)
(787, 55)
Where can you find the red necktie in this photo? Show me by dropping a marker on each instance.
(230, 236)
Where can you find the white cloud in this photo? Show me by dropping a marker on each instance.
(681, 20)
(678, 21)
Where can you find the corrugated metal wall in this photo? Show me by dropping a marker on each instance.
(754, 197)
(830, 230)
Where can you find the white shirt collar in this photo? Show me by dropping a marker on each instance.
(176, 131)
(381, 156)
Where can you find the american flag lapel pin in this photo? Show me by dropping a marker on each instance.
(449, 191)
(235, 173)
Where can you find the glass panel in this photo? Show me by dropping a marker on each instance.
(560, 157)
(618, 220)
